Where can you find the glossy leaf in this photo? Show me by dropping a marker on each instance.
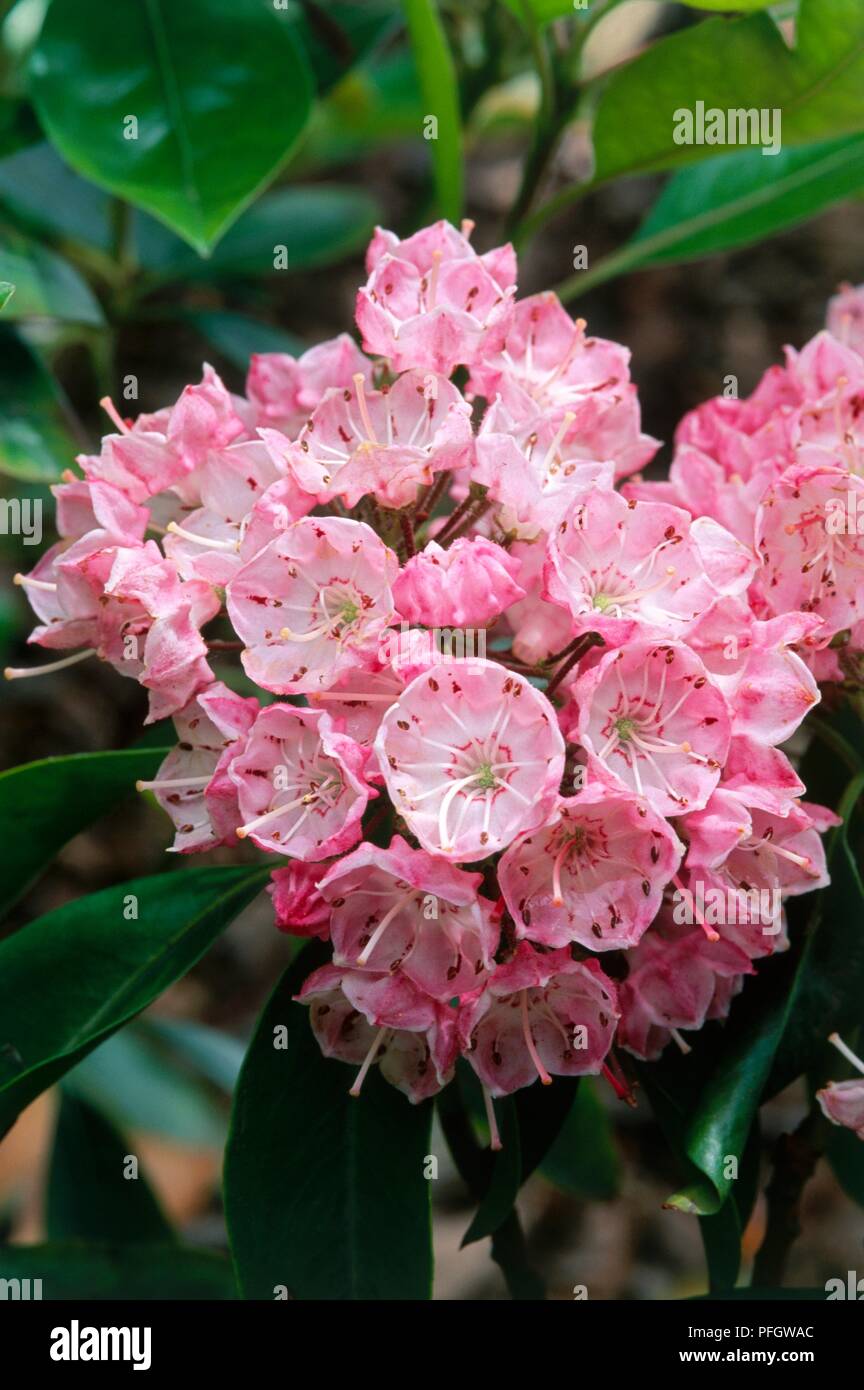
(829, 982)
(237, 337)
(316, 226)
(583, 1159)
(437, 77)
(200, 79)
(44, 804)
(505, 1177)
(6, 293)
(90, 1196)
(734, 200)
(734, 64)
(46, 286)
(324, 1194)
(75, 1270)
(140, 1085)
(110, 955)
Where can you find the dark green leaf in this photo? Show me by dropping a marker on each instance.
(89, 1195)
(583, 1159)
(738, 64)
(140, 1085)
(35, 443)
(845, 1153)
(213, 1054)
(44, 804)
(324, 1194)
(110, 955)
(6, 293)
(505, 1177)
(721, 1237)
(316, 226)
(337, 34)
(440, 91)
(220, 91)
(46, 286)
(78, 1271)
(829, 981)
(734, 200)
(237, 337)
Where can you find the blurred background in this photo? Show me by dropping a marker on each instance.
(105, 293)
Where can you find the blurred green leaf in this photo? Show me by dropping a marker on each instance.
(338, 34)
(46, 286)
(184, 110)
(324, 1194)
(373, 106)
(44, 804)
(583, 1159)
(845, 1153)
(6, 293)
(731, 201)
(214, 1054)
(89, 1196)
(238, 337)
(505, 1177)
(738, 64)
(75, 1270)
(439, 87)
(315, 225)
(828, 986)
(111, 954)
(139, 1085)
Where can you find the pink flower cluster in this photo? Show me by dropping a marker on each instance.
(512, 847)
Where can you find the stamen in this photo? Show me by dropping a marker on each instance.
(114, 415)
(21, 673)
(384, 923)
(545, 1078)
(25, 582)
(367, 1062)
(209, 541)
(360, 384)
(679, 1041)
(850, 1056)
(567, 421)
(709, 931)
(169, 782)
(494, 1137)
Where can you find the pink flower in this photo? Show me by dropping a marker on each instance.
(539, 1015)
(362, 1018)
(388, 442)
(471, 754)
(811, 559)
(403, 909)
(539, 628)
(653, 723)
(676, 979)
(594, 874)
(313, 604)
(622, 568)
(298, 906)
(768, 685)
(548, 367)
(468, 585)
(431, 302)
(534, 466)
(188, 785)
(845, 316)
(83, 507)
(284, 390)
(842, 1102)
(300, 784)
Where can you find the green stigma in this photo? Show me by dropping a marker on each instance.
(624, 728)
(486, 778)
(603, 601)
(349, 612)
